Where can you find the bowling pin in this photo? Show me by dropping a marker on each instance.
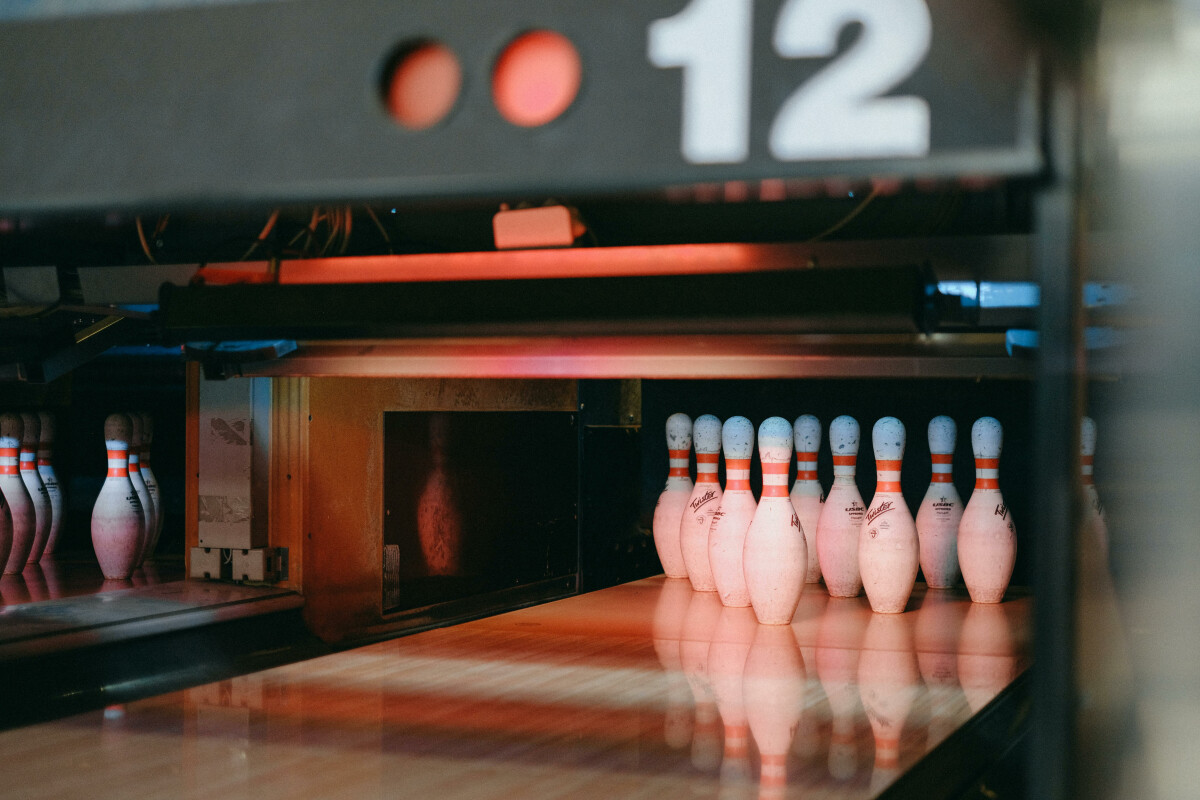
(727, 533)
(773, 692)
(16, 494)
(807, 495)
(43, 512)
(670, 611)
(1093, 512)
(45, 467)
(841, 514)
(987, 538)
(151, 484)
(139, 484)
(668, 513)
(702, 504)
(888, 551)
(889, 681)
(941, 510)
(726, 665)
(839, 645)
(118, 521)
(775, 557)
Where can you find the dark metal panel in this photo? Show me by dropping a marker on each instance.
(280, 101)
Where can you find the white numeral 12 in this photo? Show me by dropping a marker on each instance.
(839, 113)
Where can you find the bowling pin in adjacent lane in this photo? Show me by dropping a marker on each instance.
(775, 557)
(43, 511)
(941, 510)
(841, 514)
(727, 533)
(888, 551)
(45, 467)
(1093, 512)
(702, 504)
(133, 460)
(668, 513)
(118, 521)
(151, 484)
(807, 495)
(987, 538)
(16, 494)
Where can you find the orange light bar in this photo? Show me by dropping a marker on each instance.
(684, 259)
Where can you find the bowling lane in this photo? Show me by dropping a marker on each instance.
(646, 690)
(74, 574)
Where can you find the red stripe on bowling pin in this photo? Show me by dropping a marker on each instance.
(887, 475)
(706, 467)
(737, 474)
(8, 460)
(943, 466)
(775, 479)
(806, 466)
(44, 459)
(987, 473)
(118, 463)
(28, 460)
(887, 753)
(1085, 469)
(844, 466)
(679, 463)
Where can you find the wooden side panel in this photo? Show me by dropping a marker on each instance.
(289, 473)
(343, 538)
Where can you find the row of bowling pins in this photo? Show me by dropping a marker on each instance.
(128, 515)
(31, 501)
(770, 681)
(761, 554)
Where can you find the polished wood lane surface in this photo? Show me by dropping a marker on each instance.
(73, 574)
(646, 690)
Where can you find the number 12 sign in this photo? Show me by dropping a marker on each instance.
(841, 112)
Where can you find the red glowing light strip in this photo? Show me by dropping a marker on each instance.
(683, 259)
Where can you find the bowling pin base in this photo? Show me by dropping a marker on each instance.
(989, 596)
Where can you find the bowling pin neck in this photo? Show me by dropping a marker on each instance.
(1085, 470)
(887, 472)
(775, 479)
(987, 474)
(679, 465)
(44, 457)
(706, 467)
(28, 459)
(132, 460)
(737, 474)
(118, 458)
(9, 453)
(806, 467)
(844, 468)
(943, 467)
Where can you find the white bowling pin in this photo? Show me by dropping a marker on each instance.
(889, 681)
(1093, 512)
(773, 691)
(888, 551)
(45, 466)
(987, 538)
(775, 556)
(839, 644)
(118, 521)
(20, 504)
(668, 513)
(702, 504)
(842, 512)
(941, 510)
(151, 484)
(43, 511)
(139, 484)
(726, 664)
(807, 495)
(727, 533)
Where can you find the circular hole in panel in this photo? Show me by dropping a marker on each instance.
(536, 78)
(422, 83)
